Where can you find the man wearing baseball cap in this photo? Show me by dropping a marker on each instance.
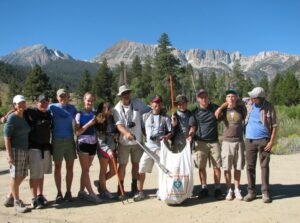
(261, 129)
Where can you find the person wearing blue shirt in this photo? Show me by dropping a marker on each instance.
(63, 141)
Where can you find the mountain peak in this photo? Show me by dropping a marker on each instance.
(36, 54)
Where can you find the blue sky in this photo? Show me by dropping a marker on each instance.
(84, 28)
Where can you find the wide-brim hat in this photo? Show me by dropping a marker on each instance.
(122, 89)
(181, 99)
(257, 92)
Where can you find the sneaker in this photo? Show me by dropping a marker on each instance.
(218, 194)
(82, 195)
(34, 202)
(250, 196)
(94, 198)
(39, 202)
(20, 207)
(107, 195)
(68, 197)
(203, 193)
(139, 196)
(59, 198)
(229, 195)
(43, 199)
(238, 195)
(266, 197)
(9, 201)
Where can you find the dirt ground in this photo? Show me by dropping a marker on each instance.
(285, 189)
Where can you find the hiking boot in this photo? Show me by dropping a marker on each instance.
(203, 193)
(9, 201)
(250, 196)
(134, 189)
(68, 197)
(20, 207)
(107, 195)
(59, 198)
(218, 194)
(139, 196)
(94, 198)
(229, 195)
(266, 197)
(238, 195)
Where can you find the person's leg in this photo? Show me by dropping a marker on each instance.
(203, 176)
(136, 154)
(14, 186)
(237, 179)
(227, 175)
(69, 174)
(102, 175)
(264, 158)
(57, 175)
(217, 175)
(111, 171)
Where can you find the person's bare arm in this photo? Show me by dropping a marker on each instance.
(124, 131)
(8, 150)
(270, 144)
(79, 130)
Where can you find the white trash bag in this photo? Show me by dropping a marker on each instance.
(178, 187)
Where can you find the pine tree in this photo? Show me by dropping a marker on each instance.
(102, 83)
(211, 85)
(136, 75)
(247, 86)
(84, 85)
(36, 83)
(276, 91)
(264, 83)
(290, 89)
(165, 64)
(13, 89)
(237, 78)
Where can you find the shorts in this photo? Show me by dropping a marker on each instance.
(20, 167)
(105, 143)
(135, 152)
(146, 163)
(87, 149)
(39, 166)
(233, 154)
(64, 148)
(205, 150)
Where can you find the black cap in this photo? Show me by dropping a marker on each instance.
(42, 97)
(231, 91)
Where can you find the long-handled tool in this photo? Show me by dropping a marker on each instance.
(119, 181)
(161, 166)
(172, 94)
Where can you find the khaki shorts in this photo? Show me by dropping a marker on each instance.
(203, 150)
(146, 163)
(64, 148)
(135, 152)
(233, 154)
(20, 167)
(39, 166)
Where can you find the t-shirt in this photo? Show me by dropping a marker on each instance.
(233, 124)
(17, 129)
(181, 130)
(124, 115)
(41, 124)
(89, 135)
(62, 119)
(155, 127)
(205, 121)
(255, 128)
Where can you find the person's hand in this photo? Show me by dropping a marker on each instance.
(268, 147)
(129, 136)
(173, 120)
(189, 138)
(110, 154)
(3, 120)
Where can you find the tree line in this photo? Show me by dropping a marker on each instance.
(152, 77)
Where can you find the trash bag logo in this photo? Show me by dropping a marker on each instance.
(177, 184)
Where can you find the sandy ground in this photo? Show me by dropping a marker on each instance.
(285, 188)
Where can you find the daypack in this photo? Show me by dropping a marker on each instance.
(176, 188)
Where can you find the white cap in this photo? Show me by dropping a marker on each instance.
(257, 92)
(18, 98)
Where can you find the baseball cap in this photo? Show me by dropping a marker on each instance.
(257, 92)
(61, 91)
(201, 91)
(18, 98)
(156, 98)
(42, 97)
(231, 91)
(181, 98)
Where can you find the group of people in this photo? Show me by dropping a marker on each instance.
(34, 136)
